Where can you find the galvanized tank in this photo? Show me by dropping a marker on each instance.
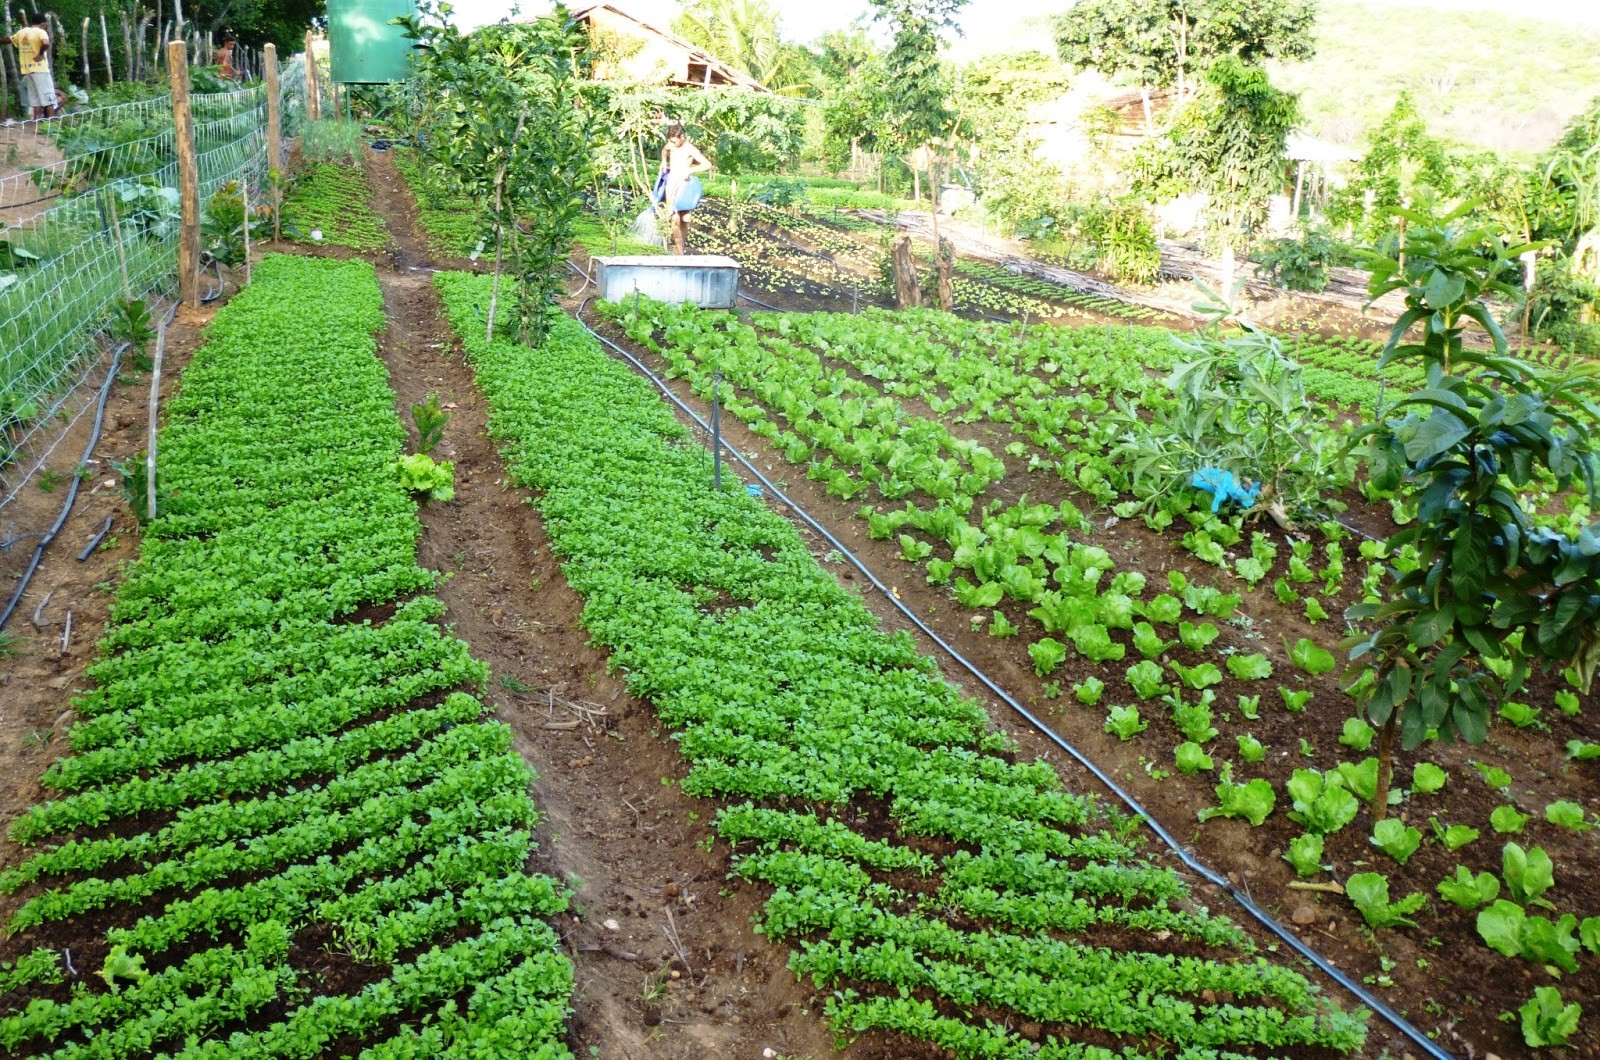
(363, 47)
(710, 281)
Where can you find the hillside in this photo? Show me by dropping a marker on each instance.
(1483, 78)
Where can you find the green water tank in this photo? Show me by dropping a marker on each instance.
(363, 47)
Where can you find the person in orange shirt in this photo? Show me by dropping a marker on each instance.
(37, 87)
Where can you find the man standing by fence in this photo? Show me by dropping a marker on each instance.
(36, 86)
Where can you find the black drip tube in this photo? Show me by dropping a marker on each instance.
(72, 489)
(1222, 883)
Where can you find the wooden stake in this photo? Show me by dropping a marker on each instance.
(105, 45)
(244, 201)
(188, 177)
(88, 77)
(274, 112)
(116, 236)
(155, 399)
(313, 89)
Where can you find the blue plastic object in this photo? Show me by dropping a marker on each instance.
(689, 195)
(1224, 488)
(659, 192)
(754, 490)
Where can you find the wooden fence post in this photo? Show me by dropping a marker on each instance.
(88, 75)
(105, 47)
(274, 112)
(155, 400)
(188, 176)
(313, 88)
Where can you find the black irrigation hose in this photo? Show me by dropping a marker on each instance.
(94, 542)
(1222, 883)
(72, 490)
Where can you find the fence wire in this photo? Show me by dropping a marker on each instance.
(97, 227)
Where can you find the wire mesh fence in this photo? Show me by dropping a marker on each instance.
(92, 229)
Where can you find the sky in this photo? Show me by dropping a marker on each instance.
(988, 25)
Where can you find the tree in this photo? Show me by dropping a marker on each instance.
(1402, 157)
(1480, 591)
(503, 114)
(744, 33)
(1228, 143)
(1162, 43)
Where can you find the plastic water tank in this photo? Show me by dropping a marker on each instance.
(363, 47)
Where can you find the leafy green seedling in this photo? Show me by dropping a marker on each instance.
(1147, 643)
(1369, 892)
(1192, 758)
(1357, 734)
(1362, 779)
(1546, 1021)
(1314, 610)
(1165, 609)
(1528, 873)
(1125, 723)
(1089, 690)
(1396, 838)
(1321, 803)
(1305, 854)
(1047, 654)
(1455, 836)
(1579, 751)
(1310, 658)
(1285, 592)
(1252, 801)
(1197, 637)
(1522, 715)
(1145, 678)
(1507, 820)
(1466, 891)
(1427, 778)
(1497, 778)
(1306, 749)
(1565, 814)
(1250, 707)
(1250, 667)
(1200, 676)
(1508, 929)
(1567, 703)
(1251, 749)
(1294, 702)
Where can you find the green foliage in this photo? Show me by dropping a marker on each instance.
(1396, 838)
(1299, 264)
(1546, 1021)
(429, 420)
(916, 109)
(1227, 144)
(1305, 854)
(1508, 820)
(1528, 873)
(1250, 667)
(1192, 758)
(336, 141)
(1466, 891)
(336, 201)
(1369, 893)
(1484, 571)
(503, 110)
(1509, 930)
(1240, 405)
(1402, 164)
(1125, 723)
(1427, 778)
(1564, 814)
(1321, 803)
(1162, 43)
(418, 473)
(1252, 801)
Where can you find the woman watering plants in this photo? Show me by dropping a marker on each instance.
(677, 184)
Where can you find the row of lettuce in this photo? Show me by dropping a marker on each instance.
(268, 788)
(934, 887)
(1191, 659)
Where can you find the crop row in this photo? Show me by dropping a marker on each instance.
(259, 774)
(793, 705)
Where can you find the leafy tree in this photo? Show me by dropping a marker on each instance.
(1402, 157)
(916, 90)
(503, 115)
(1228, 143)
(1489, 591)
(1162, 43)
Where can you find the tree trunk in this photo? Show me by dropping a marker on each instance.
(947, 298)
(907, 291)
(1380, 796)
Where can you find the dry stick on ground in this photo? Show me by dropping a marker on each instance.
(66, 634)
(671, 931)
(38, 612)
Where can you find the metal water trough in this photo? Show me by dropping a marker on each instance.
(710, 281)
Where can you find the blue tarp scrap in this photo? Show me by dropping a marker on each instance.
(1224, 488)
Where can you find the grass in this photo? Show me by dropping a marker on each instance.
(449, 221)
(332, 140)
(338, 201)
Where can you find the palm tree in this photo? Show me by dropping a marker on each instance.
(744, 33)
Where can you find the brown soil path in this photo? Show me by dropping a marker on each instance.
(668, 964)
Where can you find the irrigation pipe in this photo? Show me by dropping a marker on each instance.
(72, 490)
(1222, 883)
